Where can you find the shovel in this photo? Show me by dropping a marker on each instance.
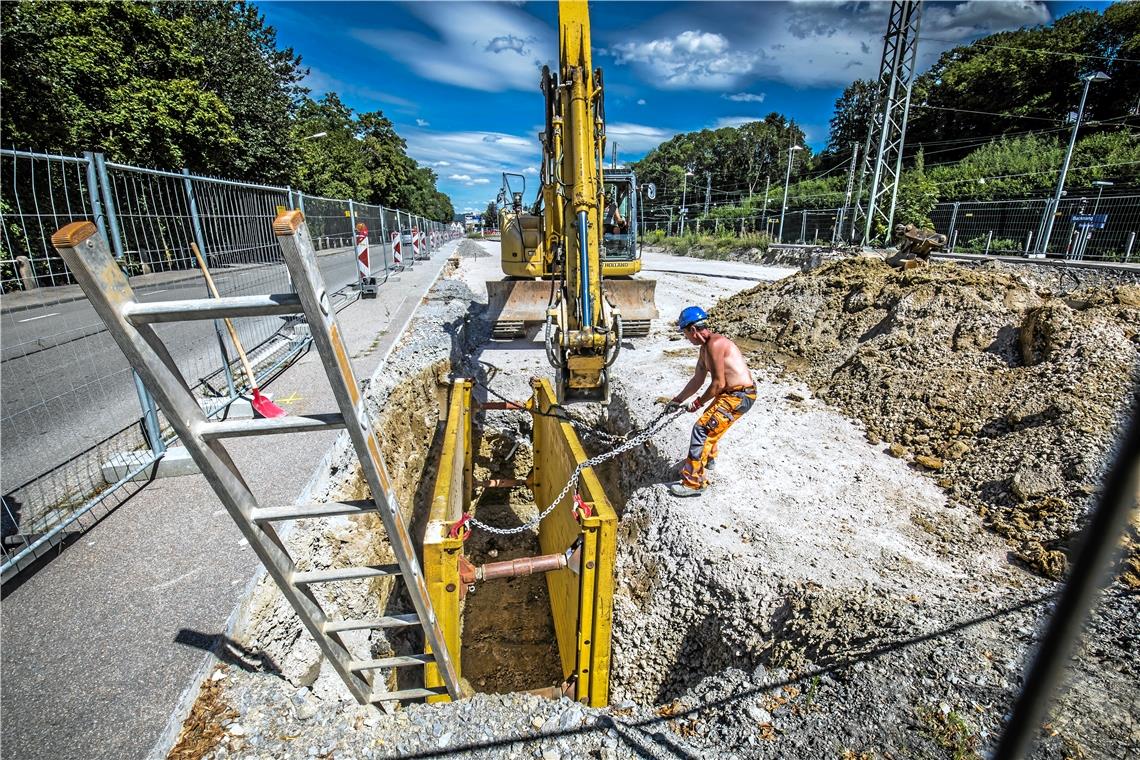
(261, 404)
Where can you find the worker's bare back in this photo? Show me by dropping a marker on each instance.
(720, 353)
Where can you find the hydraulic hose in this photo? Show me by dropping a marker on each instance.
(584, 269)
(617, 346)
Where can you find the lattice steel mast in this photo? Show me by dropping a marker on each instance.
(886, 134)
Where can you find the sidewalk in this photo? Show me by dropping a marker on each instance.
(99, 645)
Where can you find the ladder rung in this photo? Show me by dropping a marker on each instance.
(214, 308)
(392, 696)
(345, 574)
(270, 426)
(303, 511)
(388, 621)
(399, 661)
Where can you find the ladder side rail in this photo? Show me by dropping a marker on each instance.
(106, 287)
(296, 244)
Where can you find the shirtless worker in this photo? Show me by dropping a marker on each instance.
(732, 393)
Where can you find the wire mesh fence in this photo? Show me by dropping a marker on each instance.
(1088, 225)
(70, 404)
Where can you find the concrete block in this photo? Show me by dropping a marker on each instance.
(176, 461)
(241, 409)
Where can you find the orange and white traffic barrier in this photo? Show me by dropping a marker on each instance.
(362, 263)
(415, 243)
(397, 259)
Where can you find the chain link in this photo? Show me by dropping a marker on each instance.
(659, 422)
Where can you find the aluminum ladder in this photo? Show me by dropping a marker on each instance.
(130, 323)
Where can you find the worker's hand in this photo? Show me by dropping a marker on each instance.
(695, 406)
(669, 403)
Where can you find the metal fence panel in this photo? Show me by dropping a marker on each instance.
(69, 400)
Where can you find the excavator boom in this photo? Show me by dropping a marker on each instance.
(576, 239)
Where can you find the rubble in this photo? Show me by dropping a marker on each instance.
(823, 599)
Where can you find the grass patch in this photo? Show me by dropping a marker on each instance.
(950, 731)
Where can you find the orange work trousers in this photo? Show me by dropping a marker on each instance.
(729, 406)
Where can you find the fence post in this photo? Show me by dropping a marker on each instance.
(803, 226)
(1028, 241)
(384, 240)
(1128, 246)
(200, 238)
(107, 222)
(109, 205)
(989, 239)
(951, 234)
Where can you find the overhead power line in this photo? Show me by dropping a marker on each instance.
(1040, 51)
(984, 113)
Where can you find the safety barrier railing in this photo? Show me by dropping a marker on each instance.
(451, 496)
(70, 405)
(1087, 225)
(581, 604)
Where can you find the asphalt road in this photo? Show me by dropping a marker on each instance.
(65, 385)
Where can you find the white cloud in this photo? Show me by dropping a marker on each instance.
(442, 163)
(423, 123)
(530, 170)
(480, 46)
(480, 181)
(733, 121)
(320, 83)
(689, 59)
(744, 97)
(641, 101)
(636, 138)
(460, 177)
(805, 44)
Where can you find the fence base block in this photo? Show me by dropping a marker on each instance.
(176, 461)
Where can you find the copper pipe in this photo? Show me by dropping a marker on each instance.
(565, 689)
(524, 566)
(504, 405)
(503, 483)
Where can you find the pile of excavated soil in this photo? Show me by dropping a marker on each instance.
(1006, 386)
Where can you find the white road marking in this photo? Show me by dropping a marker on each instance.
(152, 292)
(42, 316)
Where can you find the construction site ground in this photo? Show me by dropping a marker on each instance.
(102, 642)
(867, 575)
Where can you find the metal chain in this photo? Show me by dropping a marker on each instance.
(659, 422)
(583, 427)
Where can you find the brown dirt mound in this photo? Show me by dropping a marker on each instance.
(1006, 389)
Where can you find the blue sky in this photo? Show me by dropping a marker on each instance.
(460, 80)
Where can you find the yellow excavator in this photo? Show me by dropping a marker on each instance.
(571, 256)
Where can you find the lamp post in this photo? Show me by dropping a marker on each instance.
(1050, 212)
(316, 136)
(684, 190)
(787, 178)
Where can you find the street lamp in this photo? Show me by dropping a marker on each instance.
(684, 189)
(1050, 212)
(318, 135)
(787, 178)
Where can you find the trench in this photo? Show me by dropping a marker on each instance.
(508, 639)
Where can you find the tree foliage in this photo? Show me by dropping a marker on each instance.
(197, 85)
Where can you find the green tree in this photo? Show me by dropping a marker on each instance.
(181, 85)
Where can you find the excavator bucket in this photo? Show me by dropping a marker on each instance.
(635, 298)
(516, 305)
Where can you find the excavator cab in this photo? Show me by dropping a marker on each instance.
(619, 221)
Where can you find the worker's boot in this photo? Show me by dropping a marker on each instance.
(682, 491)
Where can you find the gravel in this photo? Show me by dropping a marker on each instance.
(823, 599)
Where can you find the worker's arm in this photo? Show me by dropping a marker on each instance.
(695, 383)
(717, 352)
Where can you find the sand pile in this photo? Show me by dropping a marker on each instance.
(1003, 385)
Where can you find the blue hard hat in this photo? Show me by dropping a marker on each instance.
(691, 315)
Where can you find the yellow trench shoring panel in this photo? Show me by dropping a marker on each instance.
(582, 605)
(450, 498)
